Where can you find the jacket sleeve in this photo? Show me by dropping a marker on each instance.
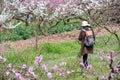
(81, 36)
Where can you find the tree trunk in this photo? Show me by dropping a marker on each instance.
(1, 5)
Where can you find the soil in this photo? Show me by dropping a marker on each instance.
(61, 37)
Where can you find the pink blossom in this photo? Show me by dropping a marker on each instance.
(60, 74)
(112, 75)
(10, 65)
(108, 56)
(24, 66)
(82, 64)
(17, 75)
(55, 3)
(7, 73)
(38, 59)
(89, 66)
(101, 52)
(21, 78)
(68, 72)
(103, 78)
(30, 70)
(55, 68)
(49, 74)
(64, 74)
(116, 69)
(44, 67)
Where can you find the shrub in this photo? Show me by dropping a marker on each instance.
(19, 33)
(62, 28)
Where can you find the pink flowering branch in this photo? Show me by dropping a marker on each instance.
(111, 67)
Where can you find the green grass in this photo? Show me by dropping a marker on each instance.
(60, 48)
(103, 42)
(54, 53)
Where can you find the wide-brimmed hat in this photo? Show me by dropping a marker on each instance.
(85, 23)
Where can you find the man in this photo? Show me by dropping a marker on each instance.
(85, 49)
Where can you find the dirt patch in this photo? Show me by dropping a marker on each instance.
(62, 37)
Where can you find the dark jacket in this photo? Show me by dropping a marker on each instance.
(84, 49)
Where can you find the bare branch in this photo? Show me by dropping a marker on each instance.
(11, 25)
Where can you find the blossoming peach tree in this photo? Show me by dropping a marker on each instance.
(46, 11)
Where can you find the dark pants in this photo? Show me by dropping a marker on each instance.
(85, 57)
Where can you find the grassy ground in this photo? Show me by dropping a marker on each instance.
(54, 53)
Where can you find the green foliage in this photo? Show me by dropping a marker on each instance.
(19, 33)
(61, 27)
(22, 32)
(1, 37)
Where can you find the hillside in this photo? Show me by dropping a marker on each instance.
(61, 37)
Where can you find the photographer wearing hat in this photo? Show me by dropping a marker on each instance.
(86, 47)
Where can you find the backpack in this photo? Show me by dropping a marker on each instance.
(89, 37)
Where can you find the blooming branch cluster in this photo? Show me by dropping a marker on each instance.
(41, 70)
(109, 58)
(29, 72)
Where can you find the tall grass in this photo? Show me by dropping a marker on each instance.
(54, 51)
